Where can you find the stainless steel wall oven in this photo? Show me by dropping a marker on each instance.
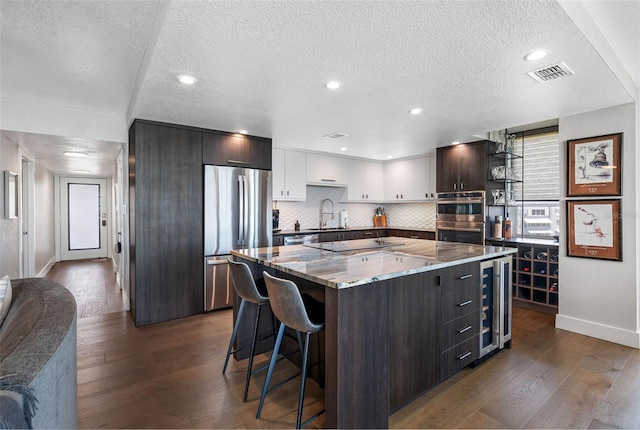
(460, 217)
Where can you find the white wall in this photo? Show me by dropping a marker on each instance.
(599, 298)
(45, 249)
(9, 228)
(21, 115)
(44, 252)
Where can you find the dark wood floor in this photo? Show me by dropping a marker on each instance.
(168, 375)
(92, 283)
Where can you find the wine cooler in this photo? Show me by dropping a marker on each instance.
(495, 319)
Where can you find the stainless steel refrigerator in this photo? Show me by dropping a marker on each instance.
(237, 215)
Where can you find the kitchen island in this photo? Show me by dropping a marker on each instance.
(401, 316)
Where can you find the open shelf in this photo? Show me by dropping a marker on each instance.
(535, 275)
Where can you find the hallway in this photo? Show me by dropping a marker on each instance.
(92, 283)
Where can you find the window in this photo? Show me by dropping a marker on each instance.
(539, 214)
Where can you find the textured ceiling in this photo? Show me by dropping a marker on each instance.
(262, 65)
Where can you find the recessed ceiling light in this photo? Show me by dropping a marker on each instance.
(455, 143)
(186, 79)
(242, 131)
(344, 148)
(536, 55)
(81, 171)
(389, 156)
(76, 154)
(416, 111)
(333, 85)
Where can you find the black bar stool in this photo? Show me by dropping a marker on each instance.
(246, 288)
(288, 307)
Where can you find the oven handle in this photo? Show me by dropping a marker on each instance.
(459, 229)
(460, 201)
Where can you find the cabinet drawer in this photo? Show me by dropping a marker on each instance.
(461, 277)
(460, 303)
(460, 330)
(459, 356)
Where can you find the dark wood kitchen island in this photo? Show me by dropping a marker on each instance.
(401, 316)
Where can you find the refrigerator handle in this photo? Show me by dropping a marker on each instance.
(245, 210)
(241, 209)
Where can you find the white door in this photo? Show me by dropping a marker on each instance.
(83, 218)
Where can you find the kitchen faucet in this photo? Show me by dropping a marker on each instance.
(323, 222)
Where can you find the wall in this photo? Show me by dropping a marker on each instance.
(599, 298)
(417, 215)
(9, 228)
(45, 250)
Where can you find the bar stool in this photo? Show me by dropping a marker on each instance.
(246, 288)
(288, 307)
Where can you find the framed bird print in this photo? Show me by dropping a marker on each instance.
(595, 166)
(594, 229)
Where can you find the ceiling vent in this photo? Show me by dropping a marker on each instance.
(550, 73)
(335, 136)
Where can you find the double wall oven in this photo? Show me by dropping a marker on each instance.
(460, 217)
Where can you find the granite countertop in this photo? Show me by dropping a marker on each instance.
(345, 264)
(329, 230)
(524, 241)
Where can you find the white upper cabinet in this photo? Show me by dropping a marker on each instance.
(327, 170)
(289, 174)
(399, 181)
(365, 181)
(410, 180)
(424, 170)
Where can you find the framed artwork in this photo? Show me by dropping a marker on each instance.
(594, 229)
(10, 195)
(595, 166)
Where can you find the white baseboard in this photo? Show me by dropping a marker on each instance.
(599, 331)
(125, 300)
(47, 267)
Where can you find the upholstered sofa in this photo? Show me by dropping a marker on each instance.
(38, 363)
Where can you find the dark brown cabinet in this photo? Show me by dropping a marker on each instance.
(461, 307)
(414, 363)
(462, 167)
(412, 234)
(229, 149)
(165, 218)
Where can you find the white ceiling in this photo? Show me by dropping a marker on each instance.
(262, 65)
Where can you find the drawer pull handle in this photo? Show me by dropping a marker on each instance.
(465, 355)
(465, 276)
(468, 302)
(327, 180)
(464, 329)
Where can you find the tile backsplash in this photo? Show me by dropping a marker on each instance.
(417, 215)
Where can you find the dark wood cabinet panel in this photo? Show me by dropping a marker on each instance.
(278, 240)
(473, 166)
(447, 169)
(166, 222)
(460, 356)
(414, 352)
(462, 167)
(460, 330)
(230, 149)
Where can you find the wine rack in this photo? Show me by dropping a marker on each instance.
(535, 275)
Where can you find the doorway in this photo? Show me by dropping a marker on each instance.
(27, 220)
(84, 226)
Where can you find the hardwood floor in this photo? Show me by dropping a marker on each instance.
(168, 375)
(92, 283)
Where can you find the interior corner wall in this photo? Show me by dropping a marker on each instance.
(599, 298)
(9, 228)
(45, 249)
